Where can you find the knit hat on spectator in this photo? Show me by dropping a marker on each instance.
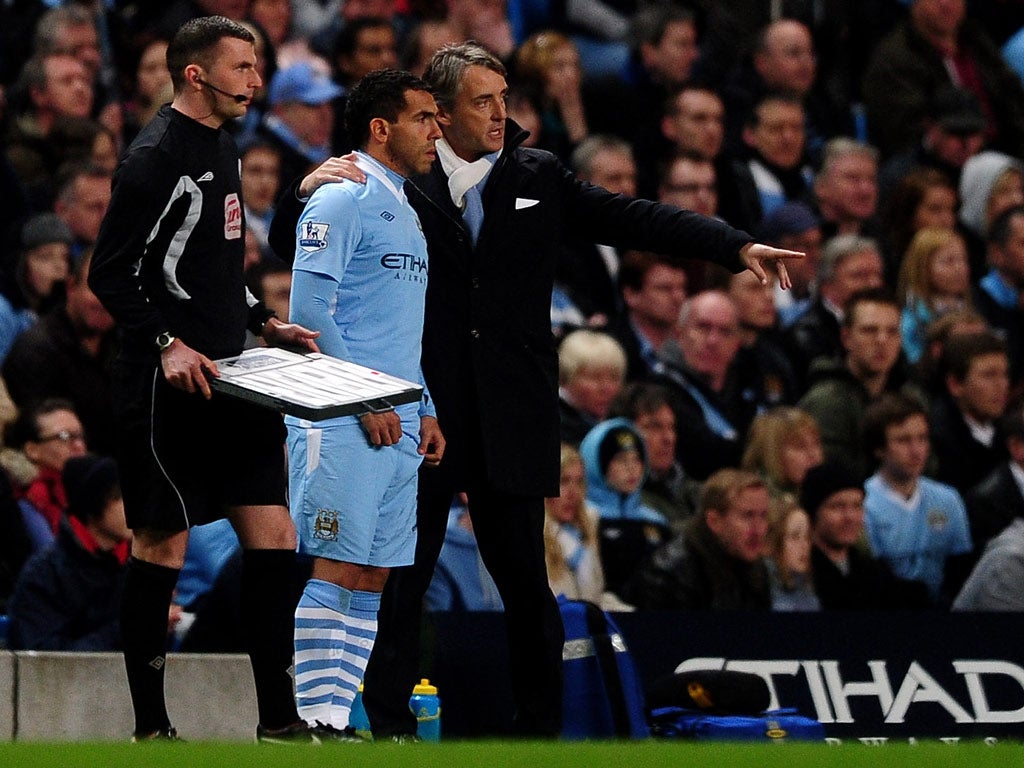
(957, 111)
(792, 218)
(43, 229)
(616, 441)
(823, 481)
(302, 83)
(90, 482)
(977, 180)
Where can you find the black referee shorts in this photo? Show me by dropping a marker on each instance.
(184, 459)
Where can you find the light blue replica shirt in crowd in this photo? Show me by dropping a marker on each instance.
(916, 535)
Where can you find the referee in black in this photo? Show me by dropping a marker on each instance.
(168, 267)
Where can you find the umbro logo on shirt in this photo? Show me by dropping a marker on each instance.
(208, 176)
(387, 215)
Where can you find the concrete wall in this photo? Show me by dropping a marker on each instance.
(84, 697)
(6, 696)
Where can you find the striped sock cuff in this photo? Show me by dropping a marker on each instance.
(364, 605)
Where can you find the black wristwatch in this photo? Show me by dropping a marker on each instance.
(164, 340)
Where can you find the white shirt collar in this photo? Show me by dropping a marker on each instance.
(374, 168)
(983, 433)
(897, 498)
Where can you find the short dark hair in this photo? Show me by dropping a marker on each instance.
(347, 40)
(194, 43)
(649, 23)
(636, 264)
(868, 296)
(25, 428)
(378, 94)
(961, 350)
(665, 164)
(639, 399)
(753, 118)
(69, 173)
(889, 410)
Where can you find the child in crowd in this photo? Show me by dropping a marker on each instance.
(615, 461)
(935, 279)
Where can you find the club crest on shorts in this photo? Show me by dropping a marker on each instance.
(326, 525)
(313, 236)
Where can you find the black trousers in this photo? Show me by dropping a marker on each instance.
(509, 531)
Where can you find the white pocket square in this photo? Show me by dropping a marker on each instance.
(525, 202)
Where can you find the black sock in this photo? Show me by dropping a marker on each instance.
(268, 615)
(146, 599)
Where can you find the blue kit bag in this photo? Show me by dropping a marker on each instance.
(774, 725)
(603, 697)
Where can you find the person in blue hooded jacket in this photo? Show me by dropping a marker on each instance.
(615, 462)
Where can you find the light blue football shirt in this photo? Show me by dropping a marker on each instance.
(367, 242)
(916, 535)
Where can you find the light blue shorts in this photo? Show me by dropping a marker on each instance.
(350, 501)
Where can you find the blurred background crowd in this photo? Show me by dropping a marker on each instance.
(854, 443)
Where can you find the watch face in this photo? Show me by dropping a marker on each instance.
(163, 341)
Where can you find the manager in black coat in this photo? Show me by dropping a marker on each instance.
(489, 361)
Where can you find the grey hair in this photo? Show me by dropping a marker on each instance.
(450, 62)
(844, 146)
(838, 249)
(691, 303)
(582, 159)
(52, 24)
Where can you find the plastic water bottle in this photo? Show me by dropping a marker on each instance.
(426, 705)
(357, 717)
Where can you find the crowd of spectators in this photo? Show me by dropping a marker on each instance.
(882, 138)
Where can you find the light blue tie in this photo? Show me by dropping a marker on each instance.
(473, 214)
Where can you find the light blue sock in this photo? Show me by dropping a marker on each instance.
(319, 647)
(360, 622)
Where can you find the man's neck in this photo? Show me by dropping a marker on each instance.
(44, 122)
(749, 335)
(975, 420)
(104, 542)
(88, 339)
(715, 381)
(199, 109)
(945, 44)
(844, 224)
(900, 484)
(655, 333)
(838, 555)
(379, 154)
(463, 153)
(874, 383)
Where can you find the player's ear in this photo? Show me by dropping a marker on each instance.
(380, 129)
(444, 118)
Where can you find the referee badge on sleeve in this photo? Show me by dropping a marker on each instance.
(313, 236)
(232, 217)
